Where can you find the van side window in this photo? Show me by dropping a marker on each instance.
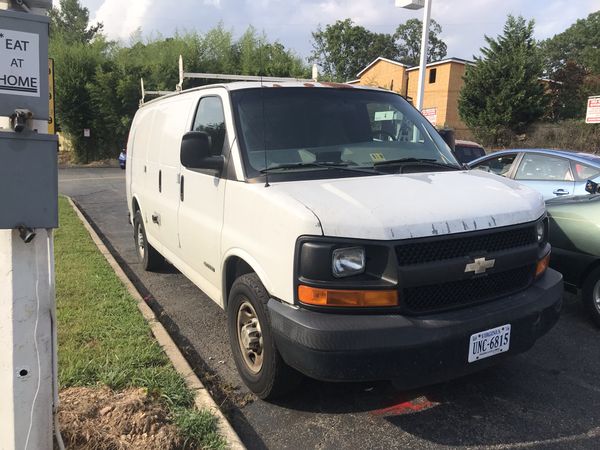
(211, 120)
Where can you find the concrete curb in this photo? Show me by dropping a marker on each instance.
(202, 397)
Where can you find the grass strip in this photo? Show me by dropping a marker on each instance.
(103, 338)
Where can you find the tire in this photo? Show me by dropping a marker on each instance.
(147, 255)
(260, 365)
(590, 294)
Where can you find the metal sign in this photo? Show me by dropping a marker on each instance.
(593, 110)
(431, 115)
(19, 63)
(23, 63)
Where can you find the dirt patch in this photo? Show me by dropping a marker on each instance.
(100, 419)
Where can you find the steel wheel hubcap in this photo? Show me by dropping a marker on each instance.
(140, 241)
(596, 295)
(250, 336)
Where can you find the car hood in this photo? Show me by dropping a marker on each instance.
(406, 206)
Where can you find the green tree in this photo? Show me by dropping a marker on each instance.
(76, 65)
(572, 62)
(579, 43)
(98, 82)
(344, 49)
(567, 99)
(502, 91)
(408, 40)
(256, 56)
(72, 22)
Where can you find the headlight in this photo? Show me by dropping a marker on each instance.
(540, 229)
(348, 261)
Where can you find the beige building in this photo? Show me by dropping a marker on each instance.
(443, 81)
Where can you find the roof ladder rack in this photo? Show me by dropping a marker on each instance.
(153, 93)
(221, 76)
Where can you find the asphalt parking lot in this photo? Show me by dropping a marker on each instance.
(548, 397)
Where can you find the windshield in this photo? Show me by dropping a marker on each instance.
(314, 129)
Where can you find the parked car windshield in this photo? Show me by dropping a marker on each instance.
(306, 130)
(467, 153)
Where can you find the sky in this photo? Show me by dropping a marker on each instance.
(464, 22)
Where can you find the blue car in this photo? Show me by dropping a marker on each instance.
(123, 159)
(553, 173)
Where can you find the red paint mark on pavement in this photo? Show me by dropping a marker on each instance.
(411, 406)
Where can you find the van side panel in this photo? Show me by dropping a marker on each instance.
(136, 156)
(265, 223)
(162, 178)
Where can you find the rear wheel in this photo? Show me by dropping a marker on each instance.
(591, 295)
(256, 356)
(148, 256)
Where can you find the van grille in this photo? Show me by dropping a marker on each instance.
(455, 294)
(455, 247)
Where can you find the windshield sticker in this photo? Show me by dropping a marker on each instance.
(384, 115)
(377, 157)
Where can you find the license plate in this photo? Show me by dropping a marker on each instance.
(489, 343)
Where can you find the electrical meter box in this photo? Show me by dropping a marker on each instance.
(28, 180)
(24, 63)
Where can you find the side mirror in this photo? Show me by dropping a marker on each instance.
(591, 187)
(195, 152)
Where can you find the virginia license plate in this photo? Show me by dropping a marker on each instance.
(489, 343)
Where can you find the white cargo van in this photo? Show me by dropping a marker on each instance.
(338, 232)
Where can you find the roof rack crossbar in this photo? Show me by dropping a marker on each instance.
(159, 92)
(222, 76)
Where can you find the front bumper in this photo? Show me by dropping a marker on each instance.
(413, 351)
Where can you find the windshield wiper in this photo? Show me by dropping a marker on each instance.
(420, 161)
(320, 165)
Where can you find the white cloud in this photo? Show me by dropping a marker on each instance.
(464, 22)
(122, 18)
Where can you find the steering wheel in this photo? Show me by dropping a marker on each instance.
(382, 133)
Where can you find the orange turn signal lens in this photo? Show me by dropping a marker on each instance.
(542, 265)
(344, 298)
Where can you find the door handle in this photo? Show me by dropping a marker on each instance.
(160, 181)
(560, 192)
(181, 188)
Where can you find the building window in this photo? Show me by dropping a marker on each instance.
(432, 74)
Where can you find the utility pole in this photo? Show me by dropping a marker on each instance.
(28, 195)
(418, 4)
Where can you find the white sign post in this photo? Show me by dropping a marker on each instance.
(593, 110)
(19, 63)
(28, 392)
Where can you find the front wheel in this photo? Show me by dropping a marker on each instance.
(254, 351)
(591, 295)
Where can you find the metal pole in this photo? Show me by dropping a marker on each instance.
(423, 62)
(28, 177)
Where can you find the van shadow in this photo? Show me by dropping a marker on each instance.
(515, 402)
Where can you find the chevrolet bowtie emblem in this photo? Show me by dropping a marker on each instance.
(480, 265)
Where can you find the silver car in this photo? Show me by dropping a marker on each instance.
(553, 173)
